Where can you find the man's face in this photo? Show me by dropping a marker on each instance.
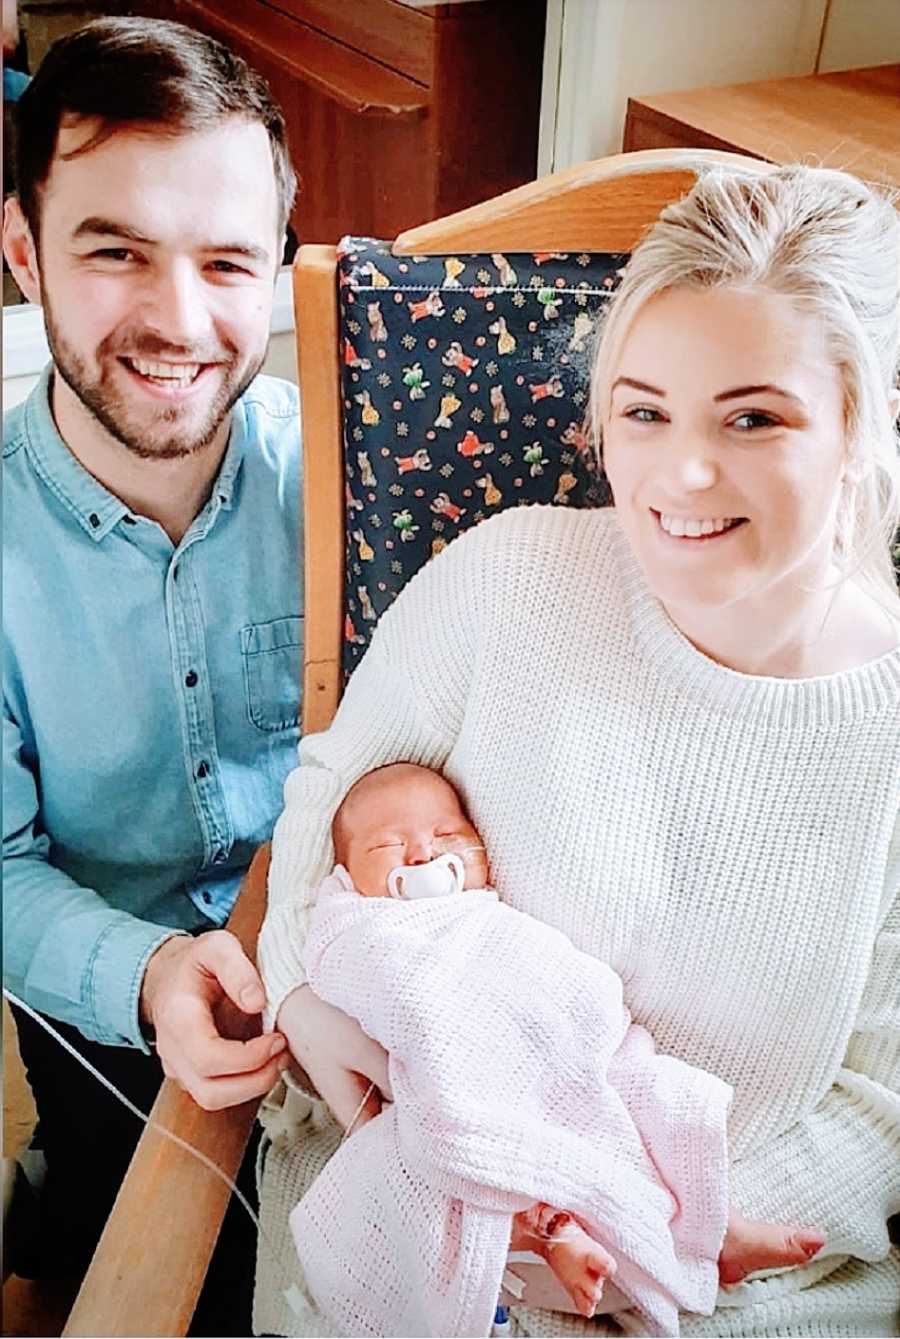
(158, 255)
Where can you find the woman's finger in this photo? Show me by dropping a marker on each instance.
(347, 1097)
(371, 1060)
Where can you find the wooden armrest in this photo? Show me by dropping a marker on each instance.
(151, 1261)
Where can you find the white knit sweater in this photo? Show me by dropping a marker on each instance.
(728, 843)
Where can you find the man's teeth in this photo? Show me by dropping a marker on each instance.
(680, 526)
(179, 374)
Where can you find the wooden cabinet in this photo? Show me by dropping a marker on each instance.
(397, 111)
(849, 119)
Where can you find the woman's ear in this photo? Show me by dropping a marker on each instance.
(894, 404)
(20, 251)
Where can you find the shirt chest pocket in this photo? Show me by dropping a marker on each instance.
(272, 654)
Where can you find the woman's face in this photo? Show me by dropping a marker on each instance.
(724, 445)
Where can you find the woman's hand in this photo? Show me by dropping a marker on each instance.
(340, 1059)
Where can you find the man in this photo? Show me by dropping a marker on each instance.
(151, 593)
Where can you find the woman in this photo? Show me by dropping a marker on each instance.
(677, 723)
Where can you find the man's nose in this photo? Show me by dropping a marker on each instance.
(175, 306)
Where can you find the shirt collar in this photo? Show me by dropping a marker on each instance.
(96, 509)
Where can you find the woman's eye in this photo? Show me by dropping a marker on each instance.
(227, 267)
(753, 418)
(643, 414)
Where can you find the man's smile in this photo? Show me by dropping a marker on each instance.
(171, 380)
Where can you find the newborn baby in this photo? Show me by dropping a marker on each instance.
(402, 833)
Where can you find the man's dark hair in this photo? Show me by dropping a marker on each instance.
(128, 71)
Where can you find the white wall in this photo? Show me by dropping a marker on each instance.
(600, 52)
(861, 32)
(25, 349)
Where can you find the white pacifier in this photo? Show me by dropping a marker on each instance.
(437, 878)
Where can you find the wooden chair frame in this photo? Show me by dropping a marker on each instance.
(167, 1216)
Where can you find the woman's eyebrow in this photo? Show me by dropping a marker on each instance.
(638, 386)
(766, 388)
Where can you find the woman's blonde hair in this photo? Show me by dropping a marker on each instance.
(830, 242)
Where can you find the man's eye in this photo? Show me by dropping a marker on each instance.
(643, 414)
(753, 418)
(113, 253)
(227, 267)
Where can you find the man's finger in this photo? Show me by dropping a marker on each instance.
(230, 1090)
(219, 953)
(217, 1057)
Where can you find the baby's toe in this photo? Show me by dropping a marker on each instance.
(586, 1300)
(600, 1264)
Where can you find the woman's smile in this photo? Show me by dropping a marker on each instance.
(694, 531)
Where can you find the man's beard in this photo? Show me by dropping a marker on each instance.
(165, 435)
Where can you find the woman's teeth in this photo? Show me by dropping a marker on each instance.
(165, 374)
(681, 527)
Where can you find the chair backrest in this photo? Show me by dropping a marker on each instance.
(444, 376)
(464, 386)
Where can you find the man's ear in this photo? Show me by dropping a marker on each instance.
(20, 251)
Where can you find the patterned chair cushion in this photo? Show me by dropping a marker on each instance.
(464, 384)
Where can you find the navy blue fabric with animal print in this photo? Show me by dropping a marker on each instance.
(465, 383)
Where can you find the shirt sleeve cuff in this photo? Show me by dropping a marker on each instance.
(114, 976)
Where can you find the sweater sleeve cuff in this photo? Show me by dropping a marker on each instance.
(280, 956)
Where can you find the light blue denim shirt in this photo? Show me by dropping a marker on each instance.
(150, 705)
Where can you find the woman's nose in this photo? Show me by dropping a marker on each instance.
(691, 463)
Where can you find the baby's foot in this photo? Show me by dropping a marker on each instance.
(579, 1262)
(751, 1245)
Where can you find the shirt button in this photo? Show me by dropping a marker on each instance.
(190, 679)
(203, 770)
(220, 857)
(206, 897)
(94, 519)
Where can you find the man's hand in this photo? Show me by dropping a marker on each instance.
(188, 995)
(340, 1059)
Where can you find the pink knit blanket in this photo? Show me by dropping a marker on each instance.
(517, 1076)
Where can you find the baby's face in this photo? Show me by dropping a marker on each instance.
(403, 815)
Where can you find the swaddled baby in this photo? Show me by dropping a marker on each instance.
(402, 834)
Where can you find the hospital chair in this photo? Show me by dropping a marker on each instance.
(443, 376)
